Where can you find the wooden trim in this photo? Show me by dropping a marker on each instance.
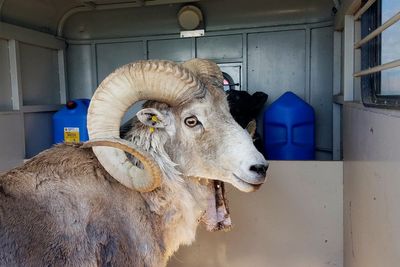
(389, 65)
(362, 10)
(378, 31)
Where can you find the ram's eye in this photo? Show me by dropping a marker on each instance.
(191, 121)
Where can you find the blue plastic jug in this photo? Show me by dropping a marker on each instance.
(289, 129)
(69, 123)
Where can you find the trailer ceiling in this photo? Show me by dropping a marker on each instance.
(46, 15)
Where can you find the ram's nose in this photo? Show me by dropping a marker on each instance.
(260, 170)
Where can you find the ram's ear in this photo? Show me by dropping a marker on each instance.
(252, 127)
(154, 118)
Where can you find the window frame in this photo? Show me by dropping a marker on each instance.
(370, 57)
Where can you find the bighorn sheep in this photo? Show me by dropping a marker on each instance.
(74, 206)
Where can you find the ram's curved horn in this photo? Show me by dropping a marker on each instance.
(151, 167)
(162, 81)
(208, 72)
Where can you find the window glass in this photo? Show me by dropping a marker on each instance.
(390, 48)
(389, 8)
(390, 82)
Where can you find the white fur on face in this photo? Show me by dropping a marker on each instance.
(218, 148)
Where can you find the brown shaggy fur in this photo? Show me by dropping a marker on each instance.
(63, 209)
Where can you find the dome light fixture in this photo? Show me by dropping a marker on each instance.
(190, 19)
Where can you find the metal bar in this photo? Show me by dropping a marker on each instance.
(145, 44)
(348, 64)
(41, 108)
(95, 78)
(15, 73)
(389, 65)
(307, 86)
(362, 10)
(245, 63)
(61, 76)
(337, 62)
(336, 108)
(228, 60)
(9, 31)
(193, 47)
(378, 31)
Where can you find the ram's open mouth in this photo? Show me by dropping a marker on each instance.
(217, 215)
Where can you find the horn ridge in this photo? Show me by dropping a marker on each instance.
(162, 81)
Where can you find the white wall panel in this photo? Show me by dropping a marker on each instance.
(294, 220)
(371, 187)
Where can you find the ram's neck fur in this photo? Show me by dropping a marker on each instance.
(180, 201)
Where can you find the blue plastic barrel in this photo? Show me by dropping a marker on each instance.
(289, 125)
(69, 123)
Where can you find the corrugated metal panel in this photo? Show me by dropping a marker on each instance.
(80, 71)
(220, 47)
(321, 86)
(276, 63)
(11, 140)
(5, 80)
(38, 132)
(175, 49)
(39, 72)
(112, 56)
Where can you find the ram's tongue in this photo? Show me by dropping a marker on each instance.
(217, 215)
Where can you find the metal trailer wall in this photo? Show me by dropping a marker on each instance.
(371, 186)
(32, 87)
(32, 77)
(298, 58)
(294, 220)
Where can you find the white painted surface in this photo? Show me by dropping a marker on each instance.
(294, 220)
(371, 187)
